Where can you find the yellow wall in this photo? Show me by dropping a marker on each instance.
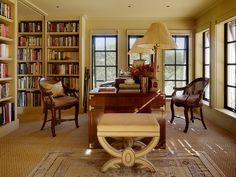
(214, 20)
(121, 25)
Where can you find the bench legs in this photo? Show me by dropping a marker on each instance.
(128, 156)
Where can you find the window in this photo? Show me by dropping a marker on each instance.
(230, 66)
(135, 56)
(176, 64)
(104, 53)
(206, 62)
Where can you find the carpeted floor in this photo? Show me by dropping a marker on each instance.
(84, 163)
(22, 150)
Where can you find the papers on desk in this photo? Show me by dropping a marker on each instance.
(107, 90)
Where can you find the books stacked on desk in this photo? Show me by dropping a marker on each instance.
(129, 88)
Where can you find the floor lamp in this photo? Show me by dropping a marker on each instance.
(157, 37)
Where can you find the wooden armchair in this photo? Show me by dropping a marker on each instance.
(57, 97)
(190, 98)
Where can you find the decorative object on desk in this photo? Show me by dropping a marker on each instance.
(145, 70)
(157, 37)
(129, 81)
(144, 84)
(154, 85)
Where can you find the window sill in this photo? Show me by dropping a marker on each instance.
(227, 112)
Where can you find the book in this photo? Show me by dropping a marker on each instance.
(123, 85)
(129, 91)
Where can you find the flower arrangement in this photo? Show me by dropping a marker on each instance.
(145, 70)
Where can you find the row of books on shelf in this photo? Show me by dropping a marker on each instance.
(63, 68)
(4, 90)
(7, 114)
(4, 50)
(30, 41)
(61, 55)
(63, 41)
(62, 26)
(29, 68)
(5, 10)
(4, 30)
(3, 70)
(28, 82)
(129, 88)
(29, 54)
(71, 82)
(30, 27)
(25, 98)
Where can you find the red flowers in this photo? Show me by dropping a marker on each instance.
(145, 70)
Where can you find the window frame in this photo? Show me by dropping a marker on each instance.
(226, 42)
(187, 49)
(94, 66)
(204, 59)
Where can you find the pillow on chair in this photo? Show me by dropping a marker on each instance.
(56, 89)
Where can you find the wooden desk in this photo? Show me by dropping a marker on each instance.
(100, 103)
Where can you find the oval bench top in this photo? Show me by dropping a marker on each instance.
(128, 125)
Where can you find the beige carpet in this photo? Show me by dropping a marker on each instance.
(87, 163)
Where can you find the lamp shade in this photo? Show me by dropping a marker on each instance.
(137, 49)
(157, 35)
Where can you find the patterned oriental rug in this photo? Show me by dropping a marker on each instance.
(87, 163)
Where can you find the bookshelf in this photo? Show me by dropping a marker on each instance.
(8, 111)
(65, 51)
(30, 64)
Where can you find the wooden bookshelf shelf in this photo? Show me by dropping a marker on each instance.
(6, 99)
(5, 19)
(63, 33)
(63, 75)
(63, 47)
(6, 79)
(5, 39)
(29, 47)
(30, 33)
(62, 61)
(5, 59)
(30, 61)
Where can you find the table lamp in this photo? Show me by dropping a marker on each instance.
(157, 37)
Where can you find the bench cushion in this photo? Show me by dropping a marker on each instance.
(128, 125)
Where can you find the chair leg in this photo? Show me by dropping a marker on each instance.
(53, 122)
(201, 114)
(76, 115)
(186, 119)
(192, 118)
(172, 111)
(45, 118)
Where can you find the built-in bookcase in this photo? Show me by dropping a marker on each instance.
(30, 64)
(8, 111)
(62, 50)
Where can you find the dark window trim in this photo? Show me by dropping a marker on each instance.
(225, 66)
(175, 64)
(203, 61)
(93, 57)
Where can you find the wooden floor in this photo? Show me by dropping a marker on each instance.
(23, 149)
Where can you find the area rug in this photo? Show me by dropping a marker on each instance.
(87, 163)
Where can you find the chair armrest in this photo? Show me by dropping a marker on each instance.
(70, 91)
(179, 88)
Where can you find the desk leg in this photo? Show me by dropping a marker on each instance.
(128, 156)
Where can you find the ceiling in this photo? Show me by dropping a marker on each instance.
(119, 8)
